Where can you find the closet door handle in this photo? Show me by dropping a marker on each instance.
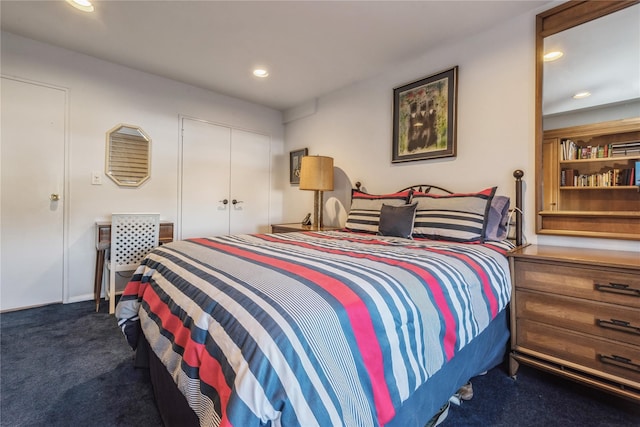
(224, 201)
(235, 202)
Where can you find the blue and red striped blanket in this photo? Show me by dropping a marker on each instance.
(311, 329)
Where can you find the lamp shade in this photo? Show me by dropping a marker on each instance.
(316, 173)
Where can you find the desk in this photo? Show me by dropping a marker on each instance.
(103, 240)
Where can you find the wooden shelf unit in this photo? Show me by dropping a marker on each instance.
(594, 211)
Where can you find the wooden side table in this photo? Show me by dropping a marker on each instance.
(296, 226)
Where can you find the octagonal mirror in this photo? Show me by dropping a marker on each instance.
(128, 155)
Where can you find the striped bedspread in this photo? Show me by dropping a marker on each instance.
(310, 329)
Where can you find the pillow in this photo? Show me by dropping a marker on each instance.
(364, 215)
(498, 218)
(397, 220)
(454, 217)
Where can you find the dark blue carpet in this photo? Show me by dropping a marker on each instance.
(536, 398)
(65, 365)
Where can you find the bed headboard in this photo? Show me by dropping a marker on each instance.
(428, 188)
(517, 210)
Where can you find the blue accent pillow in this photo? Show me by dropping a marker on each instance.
(397, 221)
(498, 218)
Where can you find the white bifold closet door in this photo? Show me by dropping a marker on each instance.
(225, 180)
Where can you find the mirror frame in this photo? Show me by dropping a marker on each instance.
(552, 21)
(140, 166)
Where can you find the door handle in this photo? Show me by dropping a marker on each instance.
(224, 201)
(54, 197)
(235, 202)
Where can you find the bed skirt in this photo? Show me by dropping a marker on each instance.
(486, 351)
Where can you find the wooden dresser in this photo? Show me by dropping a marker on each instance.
(576, 313)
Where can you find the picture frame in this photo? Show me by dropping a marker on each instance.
(295, 161)
(425, 118)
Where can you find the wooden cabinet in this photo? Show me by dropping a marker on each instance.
(594, 205)
(576, 312)
(296, 226)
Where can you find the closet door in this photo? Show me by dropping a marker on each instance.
(223, 164)
(206, 151)
(250, 182)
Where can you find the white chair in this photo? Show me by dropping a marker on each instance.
(133, 236)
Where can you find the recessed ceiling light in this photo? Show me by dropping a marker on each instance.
(581, 95)
(83, 5)
(260, 72)
(552, 56)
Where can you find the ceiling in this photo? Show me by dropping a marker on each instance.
(310, 48)
(601, 57)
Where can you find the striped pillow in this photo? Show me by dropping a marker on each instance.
(454, 217)
(364, 215)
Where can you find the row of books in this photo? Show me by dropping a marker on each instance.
(572, 151)
(610, 178)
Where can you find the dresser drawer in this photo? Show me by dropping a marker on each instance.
(597, 284)
(604, 320)
(620, 360)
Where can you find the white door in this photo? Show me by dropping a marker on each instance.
(206, 150)
(32, 173)
(225, 180)
(250, 182)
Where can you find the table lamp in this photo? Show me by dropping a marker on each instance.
(316, 173)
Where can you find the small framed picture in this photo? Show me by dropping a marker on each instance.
(295, 161)
(424, 118)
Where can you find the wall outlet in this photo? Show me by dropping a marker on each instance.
(96, 178)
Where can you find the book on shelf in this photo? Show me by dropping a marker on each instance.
(624, 177)
(627, 144)
(568, 177)
(626, 152)
(610, 178)
(570, 150)
(631, 148)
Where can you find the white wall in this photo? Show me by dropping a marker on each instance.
(495, 133)
(621, 110)
(103, 94)
(496, 99)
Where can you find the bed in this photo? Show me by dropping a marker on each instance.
(376, 324)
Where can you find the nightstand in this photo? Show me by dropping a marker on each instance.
(575, 313)
(296, 226)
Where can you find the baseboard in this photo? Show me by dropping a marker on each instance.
(79, 298)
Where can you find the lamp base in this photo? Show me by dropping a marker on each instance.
(317, 210)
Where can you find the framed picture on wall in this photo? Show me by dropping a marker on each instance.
(424, 118)
(295, 160)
